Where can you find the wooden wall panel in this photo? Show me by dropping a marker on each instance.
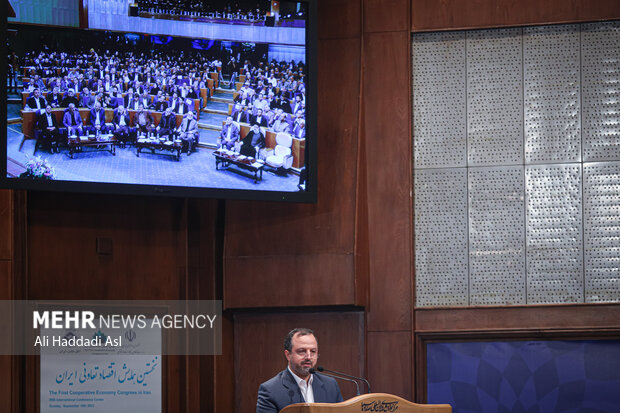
(279, 240)
(259, 351)
(386, 15)
(339, 19)
(390, 363)
(532, 318)
(431, 15)
(6, 224)
(148, 259)
(388, 146)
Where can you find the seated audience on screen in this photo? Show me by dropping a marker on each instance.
(253, 142)
(47, 126)
(229, 135)
(187, 132)
(73, 121)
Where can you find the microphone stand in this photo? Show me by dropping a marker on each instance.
(313, 371)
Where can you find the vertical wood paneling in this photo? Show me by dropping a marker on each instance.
(388, 139)
(6, 224)
(259, 351)
(431, 15)
(389, 363)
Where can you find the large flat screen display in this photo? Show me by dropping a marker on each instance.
(181, 98)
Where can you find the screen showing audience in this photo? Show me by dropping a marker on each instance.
(169, 94)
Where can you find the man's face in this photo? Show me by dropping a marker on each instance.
(304, 354)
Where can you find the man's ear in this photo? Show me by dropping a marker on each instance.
(287, 354)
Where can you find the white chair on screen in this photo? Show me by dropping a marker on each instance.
(282, 158)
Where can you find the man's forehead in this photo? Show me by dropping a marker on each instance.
(305, 340)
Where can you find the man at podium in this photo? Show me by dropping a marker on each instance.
(296, 384)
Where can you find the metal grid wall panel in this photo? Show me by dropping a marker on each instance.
(601, 91)
(441, 237)
(554, 253)
(495, 97)
(439, 127)
(601, 211)
(552, 94)
(496, 235)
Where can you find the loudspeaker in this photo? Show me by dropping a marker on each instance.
(270, 21)
(133, 11)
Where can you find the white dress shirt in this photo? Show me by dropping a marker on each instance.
(305, 387)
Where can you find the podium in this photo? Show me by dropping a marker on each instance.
(373, 402)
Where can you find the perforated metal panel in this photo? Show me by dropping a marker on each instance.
(600, 45)
(441, 237)
(554, 252)
(496, 235)
(494, 97)
(552, 94)
(439, 127)
(601, 210)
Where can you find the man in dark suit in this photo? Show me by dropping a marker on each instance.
(240, 114)
(260, 119)
(97, 120)
(296, 384)
(48, 129)
(36, 101)
(167, 124)
(69, 99)
(121, 126)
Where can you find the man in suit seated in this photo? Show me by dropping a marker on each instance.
(260, 119)
(179, 106)
(54, 98)
(69, 99)
(160, 104)
(253, 142)
(229, 134)
(132, 101)
(121, 124)
(48, 129)
(97, 120)
(167, 124)
(187, 132)
(73, 121)
(300, 130)
(144, 121)
(296, 384)
(239, 114)
(280, 124)
(86, 99)
(36, 101)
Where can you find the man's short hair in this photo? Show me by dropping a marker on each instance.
(288, 341)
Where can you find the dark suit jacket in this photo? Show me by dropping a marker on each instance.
(264, 120)
(168, 122)
(93, 116)
(42, 121)
(32, 104)
(282, 390)
(117, 119)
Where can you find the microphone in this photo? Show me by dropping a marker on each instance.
(313, 371)
(321, 369)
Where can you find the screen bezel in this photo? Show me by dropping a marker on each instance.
(307, 196)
